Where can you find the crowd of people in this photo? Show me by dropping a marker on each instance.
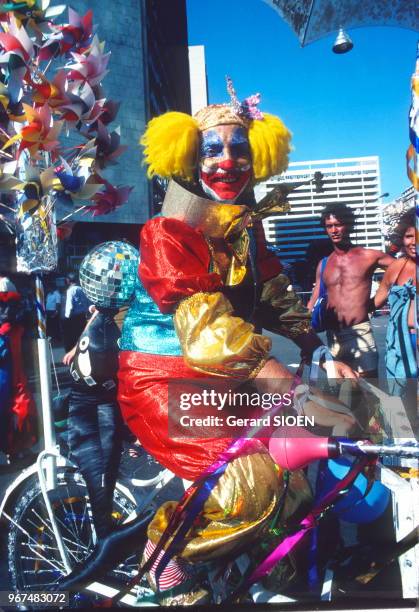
(207, 287)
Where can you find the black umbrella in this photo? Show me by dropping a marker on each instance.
(313, 19)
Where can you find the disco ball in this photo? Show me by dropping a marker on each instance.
(108, 274)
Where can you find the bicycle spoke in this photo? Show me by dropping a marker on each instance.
(35, 559)
(73, 514)
(41, 546)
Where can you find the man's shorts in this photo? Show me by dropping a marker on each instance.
(355, 346)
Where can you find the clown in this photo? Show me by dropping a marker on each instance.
(207, 284)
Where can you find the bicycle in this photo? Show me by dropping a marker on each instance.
(51, 531)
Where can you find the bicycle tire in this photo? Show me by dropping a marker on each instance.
(33, 557)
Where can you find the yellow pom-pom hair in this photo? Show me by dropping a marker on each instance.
(270, 144)
(171, 145)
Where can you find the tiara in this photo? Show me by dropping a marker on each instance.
(236, 112)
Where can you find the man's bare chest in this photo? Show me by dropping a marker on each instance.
(346, 273)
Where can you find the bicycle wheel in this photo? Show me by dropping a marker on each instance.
(33, 556)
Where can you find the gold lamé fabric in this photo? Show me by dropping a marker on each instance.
(231, 261)
(239, 509)
(215, 342)
(282, 310)
(219, 114)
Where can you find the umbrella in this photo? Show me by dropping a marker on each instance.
(313, 19)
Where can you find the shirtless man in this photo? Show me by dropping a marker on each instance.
(347, 277)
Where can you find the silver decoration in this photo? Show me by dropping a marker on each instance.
(313, 19)
(108, 274)
(36, 239)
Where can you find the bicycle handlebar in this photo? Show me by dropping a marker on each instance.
(293, 452)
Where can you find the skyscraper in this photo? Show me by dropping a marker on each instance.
(353, 181)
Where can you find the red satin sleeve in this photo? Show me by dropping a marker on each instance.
(174, 262)
(268, 264)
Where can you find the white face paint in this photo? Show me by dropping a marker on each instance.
(225, 166)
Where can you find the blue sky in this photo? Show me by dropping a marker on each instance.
(335, 105)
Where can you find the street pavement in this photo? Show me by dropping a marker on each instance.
(283, 349)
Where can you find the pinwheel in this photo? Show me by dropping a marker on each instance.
(52, 92)
(18, 51)
(8, 110)
(75, 185)
(107, 146)
(109, 112)
(83, 107)
(16, 41)
(41, 133)
(34, 15)
(90, 67)
(74, 36)
(108, 200)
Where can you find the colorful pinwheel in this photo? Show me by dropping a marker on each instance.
(108, 200)
(82, 107)
(18, 52)
(37, 169)
(77, 184)
(40, 134)
(74, 36)
(108, 146)
(89, 67)
(52, 92)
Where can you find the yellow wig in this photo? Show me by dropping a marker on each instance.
(171, 146)
(270, 144)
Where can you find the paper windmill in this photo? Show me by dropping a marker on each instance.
(83, 107)
(107, 146)
(75, 36)
(90, 67)
(52, 92)
(41, 133)
(18, 51)
(108, 200)
(37, 168)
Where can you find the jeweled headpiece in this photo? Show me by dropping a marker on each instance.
(236, 112)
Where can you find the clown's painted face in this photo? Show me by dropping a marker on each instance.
(225, 165)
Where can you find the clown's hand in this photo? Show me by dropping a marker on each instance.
(327, 410)
(342, 370)
(340, 423)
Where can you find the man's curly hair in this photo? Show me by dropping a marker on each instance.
(343, 213)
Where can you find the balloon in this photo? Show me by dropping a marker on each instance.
(353, 507)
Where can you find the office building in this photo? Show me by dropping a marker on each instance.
(148, 74)
(198, 78)
(352, 181)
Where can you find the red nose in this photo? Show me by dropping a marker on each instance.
(227, 164)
